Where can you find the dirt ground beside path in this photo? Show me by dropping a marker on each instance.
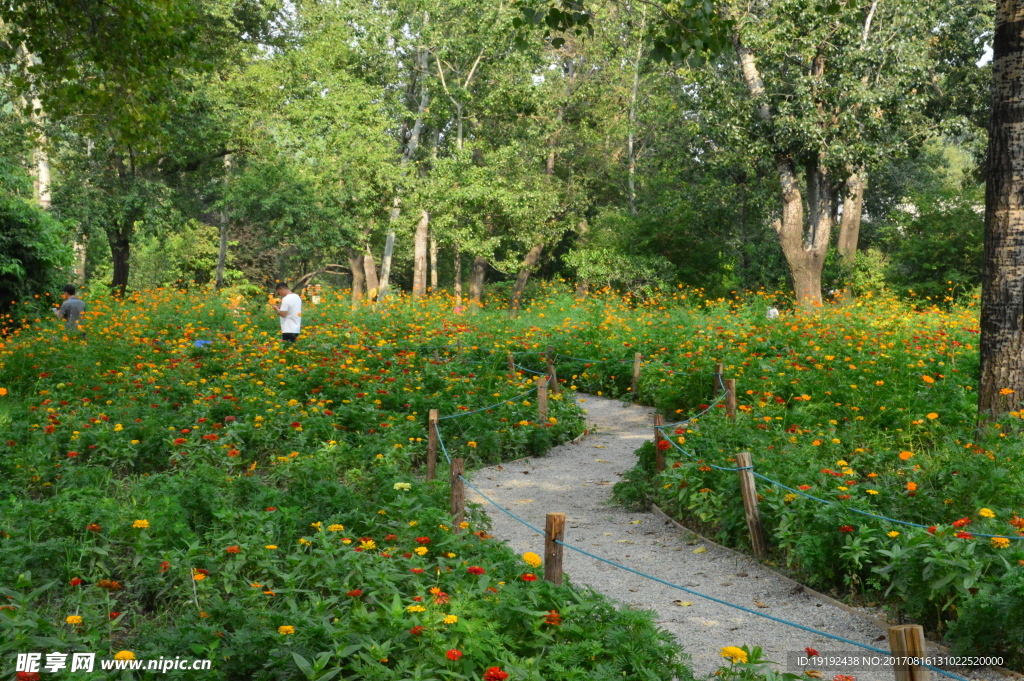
(577, 479)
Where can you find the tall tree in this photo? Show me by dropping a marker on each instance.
(1002, 301)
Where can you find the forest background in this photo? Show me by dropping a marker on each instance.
(418, 144)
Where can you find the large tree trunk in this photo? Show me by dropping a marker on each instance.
(120, 251)
(433, 264)
(849, 225)
(1002, 295)
(805, 254)
(529, 262)
(355, 263)
(222, 252)
(476, 279)
(419, 269)
(370, 272)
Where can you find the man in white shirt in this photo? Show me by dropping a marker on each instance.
(290, 313)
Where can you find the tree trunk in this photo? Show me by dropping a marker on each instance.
(433, 264)
(222, 253)
(419, 269)
(1002, 295)
(631, 142)
(476, 280)
(120, 251)
(42, 183)
(410, 150)
(457, 282)
(524, 276)
(80, 253)
(355, 263)
(849, 226)
(370, 272)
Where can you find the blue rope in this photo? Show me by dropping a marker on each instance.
(531, 371)
(493, 406)
(501, 508)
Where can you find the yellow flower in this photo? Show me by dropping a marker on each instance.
(893, 534)
(420, 550)
(927, 379)
(1000, 542)
(368, 545)
(402, 486)
(317, 525)
(305, 542)
(336, 528)
(986, 513)
(140, 524)
(471, 444)
(416, 608)
(871, 491)
(906, 455)
(413, 523)
(118, 427)
(932, 416)
(735, 654)
(842, 463)
(464, 525)
(451, 619)
(286, 629)
(270, 546)
(552, 420)
(789, 497)
(135, 442)
(125, 655)
(73, 619)
(532, 559)
(450, 555)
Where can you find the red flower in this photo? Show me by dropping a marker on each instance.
(416, 631)
(233, 452)
(406, 555)
(271, 509)
(495, 674)
(842, 497)
(186, 431)
(211, 437)
(453, 654)
(811, 651)
(529, 577)
(201, 420)
(964, 535)
(963, 522)
(27, 676)
(93, 527)
(440, 598)
(233, 549)
(165, 566)
(230, 419)
(416, 571)
(423, 540)
(72, 455)
(48, 429)
(931, 530)
(843, 677)
(76, 581)
(180, 441)
(846, 528)
(417, 598)
(296, 424)
(804, 487)
(113, 615)
(202, 571)
(355, 593)
(553, 618)
(663, 445)
(390, 537)
(475, 570)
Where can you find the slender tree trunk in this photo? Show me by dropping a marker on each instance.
(529, 262)
(1002, 295)
(80, 253)
(370, 272)
(120, 251)
(476, 280)
(433, 264)
(457, 283)
(355, 264)
(419, 270)
(222, 253)
(410, 150)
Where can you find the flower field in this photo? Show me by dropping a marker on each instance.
(264, 506)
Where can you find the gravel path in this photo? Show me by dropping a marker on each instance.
(578, 479)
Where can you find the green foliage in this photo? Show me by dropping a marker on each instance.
(35, 252)
(989, 623)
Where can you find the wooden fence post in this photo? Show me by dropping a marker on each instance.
(458, 493)
(659, 453)
(907, 640)
(750, 508)
(718, 380)
(730, 397)
(511, 364)
(542, 399)
(554, 532)
(636, 375)
(431, 443)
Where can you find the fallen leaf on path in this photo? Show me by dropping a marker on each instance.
(623, 541)
(524, 501)
(598, 446)
(601, 461)
(683, 604)
(635, 522)
(607, 534)
(760, 604)
(700, 549)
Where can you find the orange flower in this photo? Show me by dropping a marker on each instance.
(911, 486)
(906, 455)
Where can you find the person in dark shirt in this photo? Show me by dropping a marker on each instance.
(71, 311)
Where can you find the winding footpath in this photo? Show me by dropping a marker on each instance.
(577, 479)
